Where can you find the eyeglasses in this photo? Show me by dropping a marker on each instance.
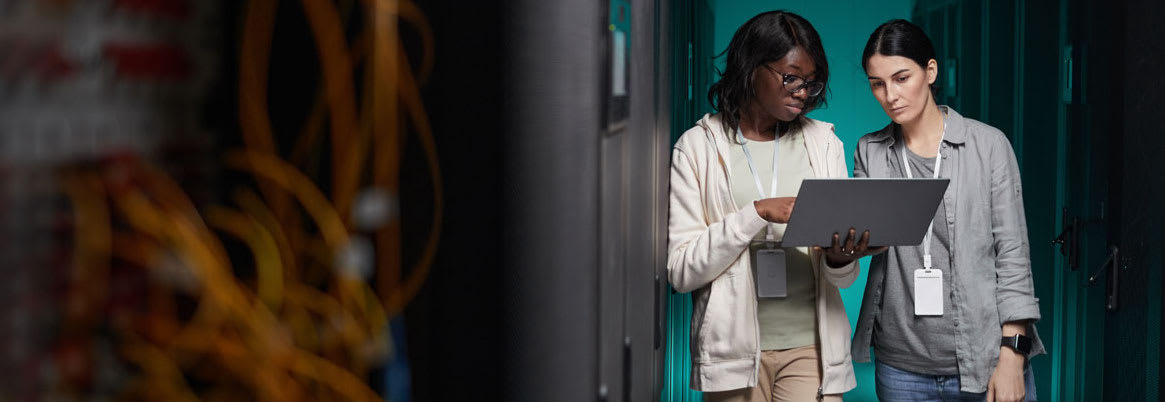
(793, 83)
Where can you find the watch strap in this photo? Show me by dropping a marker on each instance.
(1019, 343)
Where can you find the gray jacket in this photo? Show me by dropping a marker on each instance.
(991, 269)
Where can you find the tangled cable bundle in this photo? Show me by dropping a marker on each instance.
(306, 323)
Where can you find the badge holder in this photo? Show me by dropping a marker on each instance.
(770, 269)
(769, 260)
(928, 291)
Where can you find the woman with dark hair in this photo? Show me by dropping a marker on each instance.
(952, 318)
(768, 323)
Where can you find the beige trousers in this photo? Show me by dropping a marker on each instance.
(784, 375)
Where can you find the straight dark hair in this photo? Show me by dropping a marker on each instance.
(900, 38)
(765, 38)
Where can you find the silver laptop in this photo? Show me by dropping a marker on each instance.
(895, 211)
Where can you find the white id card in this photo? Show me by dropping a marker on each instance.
(770, 273)
(928, 292)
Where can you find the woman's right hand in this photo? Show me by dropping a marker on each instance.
(776, 210)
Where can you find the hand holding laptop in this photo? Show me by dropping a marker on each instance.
(837, 255)
(778, 210)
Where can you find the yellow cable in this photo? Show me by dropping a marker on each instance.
(253, 206)
(326, 217)
(268, 264)
(255, 53)
(339, 379)
(335, 62)
(167, 376)
(409, 12)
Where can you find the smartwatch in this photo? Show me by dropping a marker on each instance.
(1019, 343)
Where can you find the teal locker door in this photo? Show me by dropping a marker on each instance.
(691, 76)
(1048, 73)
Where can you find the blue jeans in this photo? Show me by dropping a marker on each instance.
(893, 384)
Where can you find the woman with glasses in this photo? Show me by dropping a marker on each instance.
(768, 322)
(952, 318)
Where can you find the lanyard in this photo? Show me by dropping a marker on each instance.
(938, 163)
(755, 177)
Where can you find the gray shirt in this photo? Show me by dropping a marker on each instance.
(989, 252)
(920, 344)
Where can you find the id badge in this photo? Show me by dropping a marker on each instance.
(928, 292)
(770, 271)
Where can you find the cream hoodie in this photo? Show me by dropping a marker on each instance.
(707, 240)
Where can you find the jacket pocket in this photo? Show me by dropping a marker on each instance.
(728, 330)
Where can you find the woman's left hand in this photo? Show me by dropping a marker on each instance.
(839, 255)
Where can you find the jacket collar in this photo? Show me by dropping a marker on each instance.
(716, 131)
(817, 148)
(956, 127)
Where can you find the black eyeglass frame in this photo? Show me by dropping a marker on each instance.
(787, 78)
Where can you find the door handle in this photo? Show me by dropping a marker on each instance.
(1111, 265)
(1069, 241)
(657, 335)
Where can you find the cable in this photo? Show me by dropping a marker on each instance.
(308, 326)
(268, 264)
(335, 62)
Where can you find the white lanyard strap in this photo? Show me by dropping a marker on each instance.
(938, 163)
(755, 177)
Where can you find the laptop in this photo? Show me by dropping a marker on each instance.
(896, 211)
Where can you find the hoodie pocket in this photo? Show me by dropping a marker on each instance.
(727, 327)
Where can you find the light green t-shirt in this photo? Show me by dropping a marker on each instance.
(791, 321)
